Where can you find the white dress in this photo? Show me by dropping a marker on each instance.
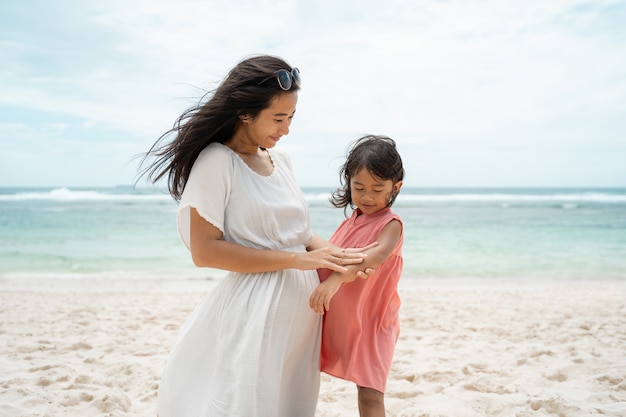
(251, 347)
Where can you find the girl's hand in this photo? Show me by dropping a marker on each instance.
(366, 274)
(320, 299)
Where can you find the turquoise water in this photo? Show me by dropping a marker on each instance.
(450, 233)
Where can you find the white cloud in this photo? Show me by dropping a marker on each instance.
(452, 82)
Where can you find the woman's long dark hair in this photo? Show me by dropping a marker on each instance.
(248, 89)
(378, 155)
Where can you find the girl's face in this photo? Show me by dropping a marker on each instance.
(370, 193)
(266, 129)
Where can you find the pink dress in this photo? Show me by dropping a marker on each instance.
(361, 328)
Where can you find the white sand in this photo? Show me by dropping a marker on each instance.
(479, 348)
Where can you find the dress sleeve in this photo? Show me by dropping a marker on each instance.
(207, 190)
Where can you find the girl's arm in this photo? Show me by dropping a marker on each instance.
(209, 249)
(364, 273)
(387, 241)
(318, 242)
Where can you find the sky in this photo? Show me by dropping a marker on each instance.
(491, 93)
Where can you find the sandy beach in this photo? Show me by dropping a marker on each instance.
(467, 348)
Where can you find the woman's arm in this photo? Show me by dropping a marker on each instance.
(209, 249)
(318, 242)
(387, 241)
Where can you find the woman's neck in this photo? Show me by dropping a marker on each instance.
(242, 144)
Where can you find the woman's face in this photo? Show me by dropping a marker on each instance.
(266, 129)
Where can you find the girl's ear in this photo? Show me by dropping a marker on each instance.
(245, 118)
(396, 187)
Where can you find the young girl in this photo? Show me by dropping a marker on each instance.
(361, 324)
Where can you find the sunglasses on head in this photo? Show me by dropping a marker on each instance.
(285, 78)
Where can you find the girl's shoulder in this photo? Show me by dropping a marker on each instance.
(386, 215)
(374, 222)
(395, 216)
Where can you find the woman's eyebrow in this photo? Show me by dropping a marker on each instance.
(284, 114)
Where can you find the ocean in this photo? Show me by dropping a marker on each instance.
(478, 233)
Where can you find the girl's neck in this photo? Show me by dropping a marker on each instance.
(360, 213)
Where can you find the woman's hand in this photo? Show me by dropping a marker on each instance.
(330, 257)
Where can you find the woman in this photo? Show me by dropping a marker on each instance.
(251, 347)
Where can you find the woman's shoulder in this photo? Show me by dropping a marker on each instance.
(214, 157)
(215, 152)
(279, 153)
(280, 156)
(214, 148)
